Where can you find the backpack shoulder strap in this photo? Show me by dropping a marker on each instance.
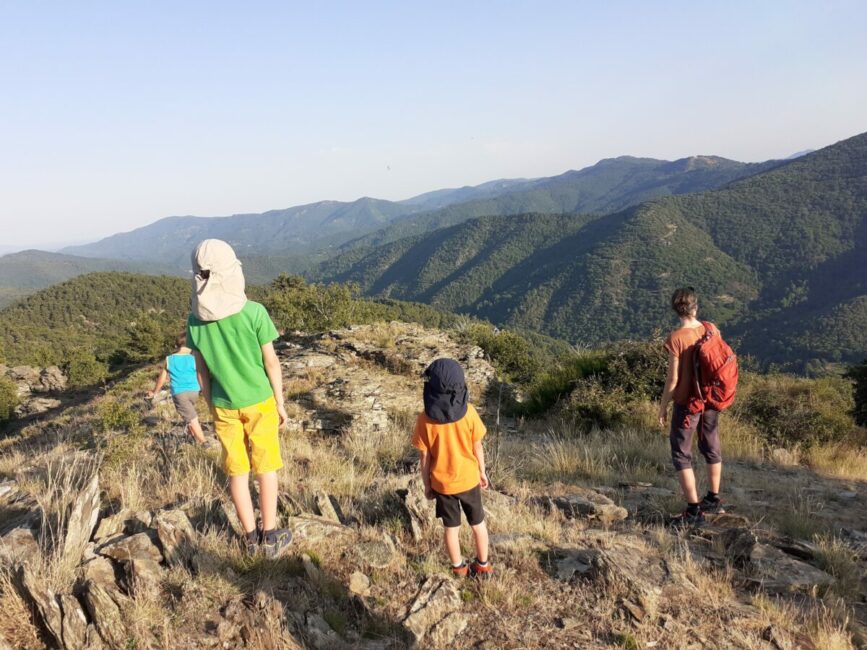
(710, 328)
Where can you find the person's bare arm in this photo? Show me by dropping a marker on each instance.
(204, 376)
(479, 451)
(670, 385)
(161, 380)
(275, 376)
(424, 469)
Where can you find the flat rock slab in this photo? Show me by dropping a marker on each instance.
(779, 572)
(311, 528)
(435, 612)
(139, 546)
(377, 553)
(590, 505)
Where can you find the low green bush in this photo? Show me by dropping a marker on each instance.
(83, 369)
(796, 411)
(510, 352)
(8, 399)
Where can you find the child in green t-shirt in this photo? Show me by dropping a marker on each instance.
(232, 339)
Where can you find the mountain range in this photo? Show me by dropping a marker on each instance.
(778, 258)
(307, 234)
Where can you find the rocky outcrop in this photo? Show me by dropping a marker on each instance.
(37, 388)
(589, 504)
(176, 535)
(140, 546)
(105, 614)
(434, 618)
(418, 511)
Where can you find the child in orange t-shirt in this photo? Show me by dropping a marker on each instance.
(448, 434)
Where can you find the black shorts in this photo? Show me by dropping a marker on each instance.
(449, 507)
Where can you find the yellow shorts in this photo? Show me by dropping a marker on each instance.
(249, 434)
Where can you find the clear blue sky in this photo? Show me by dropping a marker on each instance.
(115, 114)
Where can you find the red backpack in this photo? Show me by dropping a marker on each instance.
(716, 372)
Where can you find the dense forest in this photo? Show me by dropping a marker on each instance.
(777, 259)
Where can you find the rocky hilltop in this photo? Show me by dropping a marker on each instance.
(117, 530)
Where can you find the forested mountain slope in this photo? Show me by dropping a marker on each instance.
(775, 257)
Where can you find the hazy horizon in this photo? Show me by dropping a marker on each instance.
(120, 115)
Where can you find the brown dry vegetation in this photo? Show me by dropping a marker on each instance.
(703, 604)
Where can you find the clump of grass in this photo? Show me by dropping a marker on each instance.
(838, 559)
(801, 519)
(839, 461)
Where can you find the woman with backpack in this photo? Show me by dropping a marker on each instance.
(701, 381)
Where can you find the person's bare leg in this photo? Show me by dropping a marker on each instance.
(686, 477)
(452, 539)
(268, 499)
(714, 477)
(239, 488)
(480, 535)
(195, 429)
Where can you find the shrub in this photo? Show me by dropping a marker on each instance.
(83, 369)
(858, 375)
(603, 388)
(115, 416)
(150, 338)
(795, 411)
(8, 399)
(510, 352)
(296, 305)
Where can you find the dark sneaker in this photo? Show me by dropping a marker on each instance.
(276, 542)
(252, 544)
(461, 571)
(688, 520)
(711, 506)
(481, 571)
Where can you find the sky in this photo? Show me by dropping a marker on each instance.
(116, 114)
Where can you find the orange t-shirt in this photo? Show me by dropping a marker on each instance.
(454, 467)
(681, 343)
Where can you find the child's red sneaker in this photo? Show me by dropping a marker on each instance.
(461, 571)
(483, 571)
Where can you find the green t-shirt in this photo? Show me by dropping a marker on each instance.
(232, 350)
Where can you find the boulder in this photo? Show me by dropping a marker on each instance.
(105, 614)
(36, 405)
(376, 553)
(7, 488)
(320, 633)
(359, 584)
(138, 546)
(176, 535)
(100, 571)
(419, 511)
(18, 546)
(142, 575)
(435, 611)
(74, 624)
(112, 525)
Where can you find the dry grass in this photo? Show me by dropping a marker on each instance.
(838, 461)
(841, 561)
(826, 627)
(799, 518)
(14, 617)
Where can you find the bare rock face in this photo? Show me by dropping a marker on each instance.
(142, 575)
(101, 571)
(112, 525)
(74, 625)
(176, 534)
(739, 544)
(139, 546)
(778, 572)
(419, 511)
(377, 553)
(359, 584)
(434, 618)
(82, 519)
(106, 615)
(310, 528)
(44, 602)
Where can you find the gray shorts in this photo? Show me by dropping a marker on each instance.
(186, 404)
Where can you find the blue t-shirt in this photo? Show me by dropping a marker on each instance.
(182, 373)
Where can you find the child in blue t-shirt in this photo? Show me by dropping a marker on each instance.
(180, 370)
